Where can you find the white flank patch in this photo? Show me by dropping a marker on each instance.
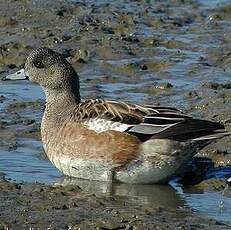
(100, 125)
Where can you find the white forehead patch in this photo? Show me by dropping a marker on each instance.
(100, 125)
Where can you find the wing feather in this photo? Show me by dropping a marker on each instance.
(146, 121)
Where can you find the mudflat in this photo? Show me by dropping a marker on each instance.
(162, 52)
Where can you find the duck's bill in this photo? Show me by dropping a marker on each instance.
(19, 75)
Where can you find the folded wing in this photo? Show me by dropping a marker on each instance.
(148, 121)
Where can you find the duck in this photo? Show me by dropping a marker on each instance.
(108, 140)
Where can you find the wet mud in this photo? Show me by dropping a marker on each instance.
(37, 206)
(171, 52)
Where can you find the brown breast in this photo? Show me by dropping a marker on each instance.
(76, 141)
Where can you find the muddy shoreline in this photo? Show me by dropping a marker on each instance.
(171, 52)
(38, 206)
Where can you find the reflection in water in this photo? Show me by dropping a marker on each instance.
(156, 195)
(173, 196)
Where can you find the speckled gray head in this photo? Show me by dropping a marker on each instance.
(51, 70)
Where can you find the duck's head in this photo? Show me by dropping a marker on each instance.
(50, 70)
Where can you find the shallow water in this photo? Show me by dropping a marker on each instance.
(25, 163)
(126, 80)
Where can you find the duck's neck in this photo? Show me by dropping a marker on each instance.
(60, 103)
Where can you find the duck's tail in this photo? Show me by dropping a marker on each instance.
(216, 134)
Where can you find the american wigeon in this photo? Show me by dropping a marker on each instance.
(110, 140)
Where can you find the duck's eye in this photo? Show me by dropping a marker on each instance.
(38, 64)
